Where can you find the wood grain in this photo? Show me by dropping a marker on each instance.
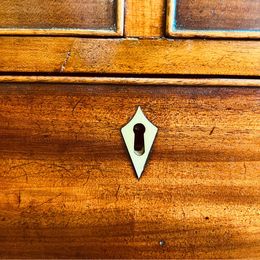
(145, 18)
(207, 82)
(228, 18)
(218, 15)
(68, 17)
(129, 56)
(68, 190)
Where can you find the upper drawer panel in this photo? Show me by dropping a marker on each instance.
(67, 17)
(213, 18)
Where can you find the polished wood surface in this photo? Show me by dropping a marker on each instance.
(145, 19)
(67, 186)
(218, 15)
(207, 82)
(129, 56)
(67, 17)
(207, 18)
(68, 190)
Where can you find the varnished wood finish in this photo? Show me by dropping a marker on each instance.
(67, 187)
(145, 19)
(207, 18)
(67, 17)
(218, 15)
(129, 56)
(207, 82)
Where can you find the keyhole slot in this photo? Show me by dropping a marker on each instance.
(139, 130)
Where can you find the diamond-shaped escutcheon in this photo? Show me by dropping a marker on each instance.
(139, 135)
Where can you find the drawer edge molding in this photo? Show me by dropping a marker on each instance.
(207, 82)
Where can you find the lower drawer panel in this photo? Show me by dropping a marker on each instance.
(67, 187)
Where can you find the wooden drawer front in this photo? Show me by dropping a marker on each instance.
(228, 18)
(66, 17)
(67, 187)
(129, 56)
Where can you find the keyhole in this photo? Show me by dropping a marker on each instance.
(139, 130)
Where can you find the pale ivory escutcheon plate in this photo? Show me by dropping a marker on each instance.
(139, 158)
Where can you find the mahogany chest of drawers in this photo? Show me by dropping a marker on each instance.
(73, 73)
